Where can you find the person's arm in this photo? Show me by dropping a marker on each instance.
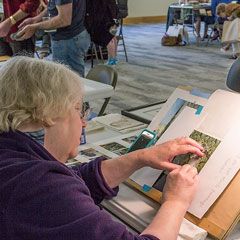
(103, 176)
(160, 156)
(214, 4)
(63, 19)
(178, 191)
(33, 20)
(58, 205)
(178, 194)
(25, 9)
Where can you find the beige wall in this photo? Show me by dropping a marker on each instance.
(145, 8)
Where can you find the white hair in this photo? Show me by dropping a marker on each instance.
(34, 90)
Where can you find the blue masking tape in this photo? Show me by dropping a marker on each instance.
(199, 110)
(199, 93)
(146, 188)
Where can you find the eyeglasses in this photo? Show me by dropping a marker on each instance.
(84, 111)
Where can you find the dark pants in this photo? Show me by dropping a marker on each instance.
(25, 48)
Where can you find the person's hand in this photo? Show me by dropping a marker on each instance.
(161, 156)
(26, 22)
(27, 32)
(5, 27)
(181, 185)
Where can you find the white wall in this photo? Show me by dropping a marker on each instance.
(145, 8)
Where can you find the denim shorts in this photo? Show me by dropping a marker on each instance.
(71, 51)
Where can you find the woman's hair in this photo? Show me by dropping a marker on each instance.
(221, 8)
(233, 9)
(34, 90)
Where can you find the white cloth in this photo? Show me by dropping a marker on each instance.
(175, 30)
(231, 31)
(189, 231)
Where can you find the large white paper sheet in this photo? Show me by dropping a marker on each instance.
(221, 121)
(221, 112)
(221, 167)
(146, 176)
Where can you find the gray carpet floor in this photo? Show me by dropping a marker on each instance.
(154, 71)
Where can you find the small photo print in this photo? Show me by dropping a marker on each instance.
(124, 123)
(115, 147)
(209, 144)
(92, 153)
(130, 139)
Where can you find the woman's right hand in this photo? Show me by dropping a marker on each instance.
(181, 185)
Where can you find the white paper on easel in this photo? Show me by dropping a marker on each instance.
(221, 122)
(222, 112)
(217, 173)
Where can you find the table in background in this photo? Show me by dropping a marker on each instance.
(95, 90)
(187, 14)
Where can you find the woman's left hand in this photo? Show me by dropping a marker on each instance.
(161, 156)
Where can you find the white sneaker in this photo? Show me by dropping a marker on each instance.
(223, 50)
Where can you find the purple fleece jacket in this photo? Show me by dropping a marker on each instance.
(42, 199)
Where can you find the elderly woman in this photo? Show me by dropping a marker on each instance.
(41, 198)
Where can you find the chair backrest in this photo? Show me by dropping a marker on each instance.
(104, 74)
(233, 77)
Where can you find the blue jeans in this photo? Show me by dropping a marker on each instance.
(71, 52)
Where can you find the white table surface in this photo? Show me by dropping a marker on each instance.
(96, 90)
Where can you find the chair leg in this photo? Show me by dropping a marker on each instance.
(103, 108)
(125, 50)
(209, 37)
(101, 54)
(121, 37)
(92, 60)
(95, 52)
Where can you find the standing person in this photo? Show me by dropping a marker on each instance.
(70, 40)
(45, 48)
(14, 13)
(41, 198)
(219, 20)
(214, 4)
(101, 23)
(230, 12)
(112, 45)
